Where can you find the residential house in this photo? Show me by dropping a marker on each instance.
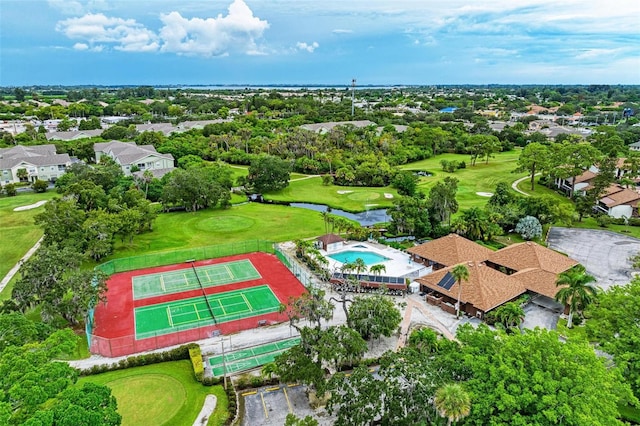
(619, 202)
(635, 146)
(72, 135)
(582, 182)
(495, 277)
(129, 155)
(40, 162)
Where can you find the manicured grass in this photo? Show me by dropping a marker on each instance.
(18, 232)
(348, 198)
(479, 178)
(239, 223)
(160, 394)
(590, 223)
(541, 190)
(577, 332)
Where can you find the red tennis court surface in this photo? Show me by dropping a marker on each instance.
(114, 326)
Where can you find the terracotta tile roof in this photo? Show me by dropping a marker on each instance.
(529, 255)
(538, 280)
(451, 250)
(330, 239)
(585, 177)
(624, 196)
(486, 288)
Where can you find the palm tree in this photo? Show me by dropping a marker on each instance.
(578, 293)
(359, 266)
(510, 314)
(452, 402)
(459, 273)
(378, 269)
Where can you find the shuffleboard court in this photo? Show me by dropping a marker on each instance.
(249, 358)
(151, 285)
(185, 314)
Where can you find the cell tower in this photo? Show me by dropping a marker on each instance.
(353, 96)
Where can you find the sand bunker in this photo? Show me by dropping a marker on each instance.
(344, 192)
(30, 206)
(485, 194)
(387, 195)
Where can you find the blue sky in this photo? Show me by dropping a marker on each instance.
(163, 42)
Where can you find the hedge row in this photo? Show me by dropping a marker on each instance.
(179, 353)
(196, 360)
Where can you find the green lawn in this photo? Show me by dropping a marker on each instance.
(479, 178)
(348, 198)
(18, 232)
(239, 223)
(160, 394)
(541, 190)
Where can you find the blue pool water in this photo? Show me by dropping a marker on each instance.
(351, 255)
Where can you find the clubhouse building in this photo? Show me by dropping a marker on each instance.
(495, 277)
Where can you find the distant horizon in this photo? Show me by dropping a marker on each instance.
(287, 42)
(319, 86)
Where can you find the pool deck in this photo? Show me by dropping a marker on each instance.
(398, 265)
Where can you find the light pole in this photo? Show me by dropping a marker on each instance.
(224, 361)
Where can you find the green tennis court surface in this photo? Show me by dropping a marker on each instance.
(150, 285)
(246, 359)
(185, 314)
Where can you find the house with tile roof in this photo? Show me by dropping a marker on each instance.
(449, 250)
(41, 162)
(129, 155)
(619, 202)
(495, 277)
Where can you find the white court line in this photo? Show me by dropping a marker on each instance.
(169, 316)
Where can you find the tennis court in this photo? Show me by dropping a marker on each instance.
(185, 314)
(177, 281)
(247, 359)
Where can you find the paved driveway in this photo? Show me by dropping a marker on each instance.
(604, 254)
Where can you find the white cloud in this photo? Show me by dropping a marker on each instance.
(238, 30)
(81, 46)
(308, 47)
(342, 31)
(77, 7)
(125, 34)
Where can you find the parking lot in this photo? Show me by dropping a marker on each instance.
(604, 254)
(270, 406)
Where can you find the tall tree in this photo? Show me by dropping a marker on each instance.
(460, 273)
(534, 378)
(573, 159)
(613, 323)
(533, 159)
(452, 402)
(268, 173)
(374, 316)
(53, 280)
(442, 199)
(577, 291)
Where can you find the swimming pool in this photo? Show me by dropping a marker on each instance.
(368, 257)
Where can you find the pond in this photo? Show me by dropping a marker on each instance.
(366, 218)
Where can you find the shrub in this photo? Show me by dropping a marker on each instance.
(603, 220)
(196, 360)
(10, 190)
(176, 354)
(39, 186)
